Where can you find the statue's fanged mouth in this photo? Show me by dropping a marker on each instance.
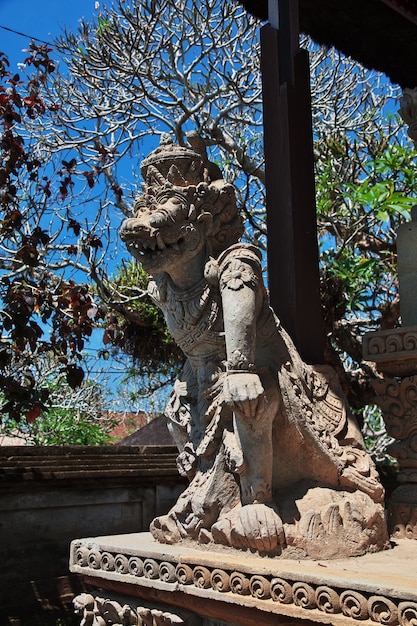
(152, 247)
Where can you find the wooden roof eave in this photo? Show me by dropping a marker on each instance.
(380, 34)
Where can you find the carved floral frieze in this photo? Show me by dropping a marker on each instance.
(277, 591)
(397, 398)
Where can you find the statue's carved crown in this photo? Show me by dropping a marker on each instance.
(187, 173)
(179, 165)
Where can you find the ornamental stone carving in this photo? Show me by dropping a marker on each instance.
(302, 593)
(398, 401)
(394, 352)
(275, 460)
(101, 612)
(408, 111)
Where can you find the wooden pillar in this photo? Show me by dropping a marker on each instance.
(290, 192)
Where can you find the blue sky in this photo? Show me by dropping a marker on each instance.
(43, 19)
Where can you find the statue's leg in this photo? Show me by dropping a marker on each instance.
(255, 524)
(254, 437)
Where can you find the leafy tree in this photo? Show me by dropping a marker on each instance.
(74, 417)
(366, 186)
(138, 328)
(59, 427)
(144, 67)
(34, 289)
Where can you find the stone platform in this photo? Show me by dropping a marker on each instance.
(244, 588)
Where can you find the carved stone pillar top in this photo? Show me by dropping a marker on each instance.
(394, 351)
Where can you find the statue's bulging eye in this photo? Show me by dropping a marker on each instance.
(172, 199)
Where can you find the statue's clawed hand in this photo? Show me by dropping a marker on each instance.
(244, 393)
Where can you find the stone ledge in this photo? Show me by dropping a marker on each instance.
(373, 589)
(87, 462)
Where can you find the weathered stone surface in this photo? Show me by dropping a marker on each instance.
(72, 463)
(407, 268)
(394, 351)
(397, 398)
(273, 455)
(104, 612)
(49, 495)
(225, 584)
(408, 111)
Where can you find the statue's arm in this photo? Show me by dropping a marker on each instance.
(241, 292)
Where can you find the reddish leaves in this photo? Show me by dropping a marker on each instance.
(39, 58)
(33, 414)
(74, 376)
(72, 313)
(35, 293)
(92, 241)
(91, 178)
(75, 226)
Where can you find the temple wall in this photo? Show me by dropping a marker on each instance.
(48, 496)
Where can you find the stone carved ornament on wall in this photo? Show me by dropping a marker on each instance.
(282, 595)
(103, 612)
(275, 460)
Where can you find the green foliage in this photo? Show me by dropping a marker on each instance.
(137, 326)
(142, 332)
(365, 189)
(103, 26)
(355, 276)
(366, 186)
(70, 417)
(61, 426)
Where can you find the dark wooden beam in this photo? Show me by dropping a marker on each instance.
(293, 259)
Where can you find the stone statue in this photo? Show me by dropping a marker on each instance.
(275, 461)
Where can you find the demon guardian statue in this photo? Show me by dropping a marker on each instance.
(275, 460)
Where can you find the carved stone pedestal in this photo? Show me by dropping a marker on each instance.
(184, 584)
(395, 354)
